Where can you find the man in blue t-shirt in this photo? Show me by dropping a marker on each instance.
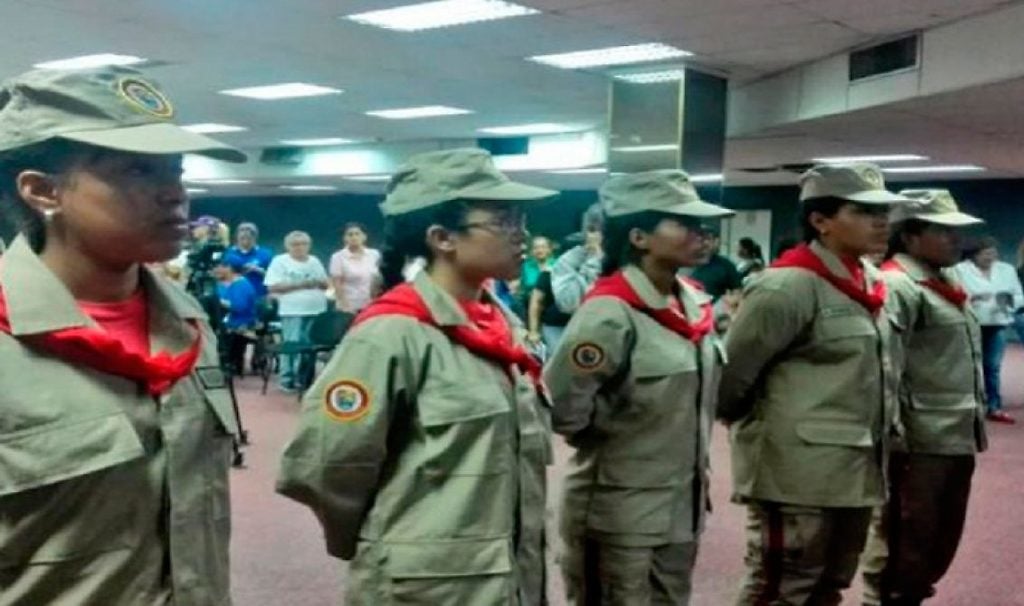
(250, 256)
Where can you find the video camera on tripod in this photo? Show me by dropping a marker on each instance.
(202, 284)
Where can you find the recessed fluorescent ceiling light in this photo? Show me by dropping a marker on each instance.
(316, 142)
(874, 158)
(223, 181)
(668, 75)
(368, 178)
(207, 128)
(580, 171)
(429, 111)
(630, 149)
(616, 55)
(445, 13)
(952, 168)
(541, 128)
(90, 61)
(196, 190)
(309, 187)
(712, 178)
(288, 90)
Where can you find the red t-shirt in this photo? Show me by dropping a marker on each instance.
(127, 321)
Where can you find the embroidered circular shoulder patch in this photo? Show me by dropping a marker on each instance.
(347, 401)
(587, 356)
(144, 97)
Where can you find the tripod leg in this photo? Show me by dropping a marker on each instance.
(238, 458)
(243, 435)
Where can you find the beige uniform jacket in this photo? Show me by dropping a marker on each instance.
(809, 390)
(108, 496)
(942, 391)
(426, 463)
(636, 400)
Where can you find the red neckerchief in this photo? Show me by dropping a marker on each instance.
(618, 287)
(803, 257)
(953, 293)
(488, 335)
(95, 348)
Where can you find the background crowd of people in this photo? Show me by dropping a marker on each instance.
(553, 278)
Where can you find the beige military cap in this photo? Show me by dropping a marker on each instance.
(932, 206)
(112, 107)
(433, 178)
(667, 191)
(856, 182)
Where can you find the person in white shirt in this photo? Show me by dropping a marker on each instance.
(995, 294)
(355, 271)
(297, 280)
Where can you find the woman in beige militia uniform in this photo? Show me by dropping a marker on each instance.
(422, 447)
(634, 382)
(942, 404)
(808, 394)
(115, 420)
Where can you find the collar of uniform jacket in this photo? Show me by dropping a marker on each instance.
(444, 309)
(38, 302)
(653, 299)
(919, 272)
(835, 264)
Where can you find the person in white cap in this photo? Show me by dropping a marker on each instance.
(117, 419)
(942, 404)
(808, 394)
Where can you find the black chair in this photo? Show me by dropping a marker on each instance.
(326, 332)
(268, 331)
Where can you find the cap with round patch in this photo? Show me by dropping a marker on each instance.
(112, 107)
(437, 177)
(587, 356)
(859, 182)
(347, 401)
(667, 191)
(145, 97)
(932, 206)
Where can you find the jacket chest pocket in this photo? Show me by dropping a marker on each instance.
(467, 430)
(72, 490)
(663, 374)
(836, 338)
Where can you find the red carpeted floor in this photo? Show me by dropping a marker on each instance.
(279, 559)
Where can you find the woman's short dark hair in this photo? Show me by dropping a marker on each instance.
(910, 227)
(751, 248)
(829, 207)
(54, 157)
(618, 250)
(984, 243)
(405, 237)
(354, 225)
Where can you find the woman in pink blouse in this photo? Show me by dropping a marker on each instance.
(355, 271)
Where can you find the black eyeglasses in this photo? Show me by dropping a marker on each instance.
(510, 225)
